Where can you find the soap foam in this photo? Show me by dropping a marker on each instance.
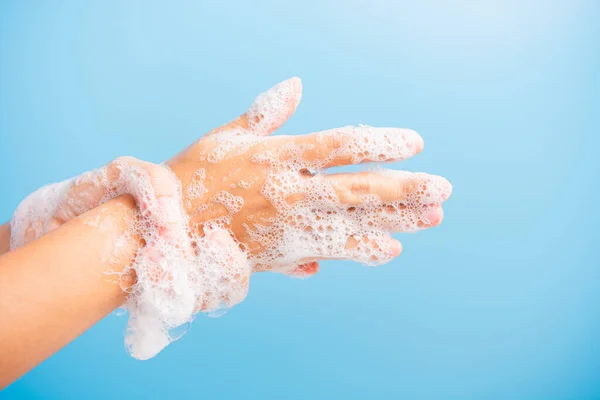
(178, 272)
(312, 215)
(310, 220)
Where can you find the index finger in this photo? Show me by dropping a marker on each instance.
(270, 110)
(358, 144)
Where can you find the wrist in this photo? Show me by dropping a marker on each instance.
(112, 224)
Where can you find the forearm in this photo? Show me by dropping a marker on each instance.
(4, 238)
(54, 288)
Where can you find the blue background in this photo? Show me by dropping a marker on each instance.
(500, 302)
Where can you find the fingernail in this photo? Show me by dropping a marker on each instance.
(394, 247)
(293, 84)
(434, 215)
(442, 186)
(296, 85)
(414, 139)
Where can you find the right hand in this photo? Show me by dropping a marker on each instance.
(270, 193)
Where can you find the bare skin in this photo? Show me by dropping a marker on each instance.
(54, 288)
(75, 281)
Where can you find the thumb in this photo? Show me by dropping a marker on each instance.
(229, 282)
(270, 110)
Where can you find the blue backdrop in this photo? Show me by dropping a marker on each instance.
(500, 302)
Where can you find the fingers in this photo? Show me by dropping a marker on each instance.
(430, 188)
(368, 248)
(398, 217)
(353, 189)
(34, 216)
(372, 250)
(274, 107)
(348, 216)
(227, 277)
(158, 266)
(87, 191)
(388, 186)
(270, 110)
(393, 201)
(155, 188)
(358, 144)
(305, 270)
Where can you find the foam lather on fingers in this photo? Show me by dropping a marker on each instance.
(35, 214)
(273, 107)
(366, 143)
(178, 272)
(305, 215)
(320, 223)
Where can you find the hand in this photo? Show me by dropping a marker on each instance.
(51, 206)
(271, 194)
(170, 281)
